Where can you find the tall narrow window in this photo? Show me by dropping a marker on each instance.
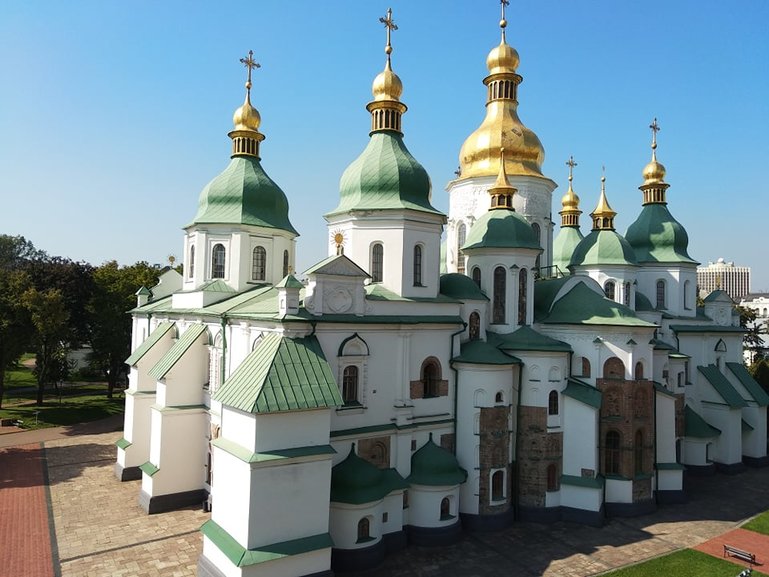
(350, 385)
(612, 453)
(500, 290)
(538, 233)
(639, 452)
(609, 289)
(639, 371)
(552, 403)
(259, 264)
(498, 486)
(445, 508)
(475, 326)
(477, 277)
(660, 294)
(552, 480)
(626, 295)
(191, 264)
(218, 256)
(377, 262)
(285, 263)
(522, 289)
(585, 367)
(687, 301)
(461, 237)
(430, 379)
(417, 265)
(364, 530)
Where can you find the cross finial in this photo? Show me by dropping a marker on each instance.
(390, 26)
(655, 129)
(571, 163)
(603, 178)
(458, 171)
(250, 63)
(503, 22)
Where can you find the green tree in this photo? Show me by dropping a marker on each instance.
(110, 324)
(760, 372)
(751, 340)
(15, 329)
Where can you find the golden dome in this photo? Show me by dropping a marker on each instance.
(654, 172)
(502, 59)
(570, 201)
(246, 117)
(387, 85)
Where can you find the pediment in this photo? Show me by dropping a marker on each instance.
(338, 265)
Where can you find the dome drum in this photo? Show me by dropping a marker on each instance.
(502, 87)
(386, 114)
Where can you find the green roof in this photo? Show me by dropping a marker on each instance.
(378, 292)
(658, 237)
(603, 247)
(747, 427)
(660, 388)
(754, 389)
(281, 374)
(482, 353)
(338, 264)
(182, 345)
(584, 306)
(583, 392)
(461, 287)
(385, 176)
(718, 295)
(642, 303)
(709, 328)
(433, 465)
(722, 386)
(357, 481)
(596, 482)
(695, 426)
(143, 292)
(501, 228)
(526, 338)
(149, 342)
(564, 246)
(289, 281)
(244, 194)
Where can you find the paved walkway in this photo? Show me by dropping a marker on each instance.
(750, 541)
(101, 531)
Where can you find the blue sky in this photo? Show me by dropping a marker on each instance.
(114, 115)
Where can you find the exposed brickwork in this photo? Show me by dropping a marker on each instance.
(537, 450)
(642, 489)
(494, 454)
(417, 389)
(680, 402)
(447, 441)
(376, 450)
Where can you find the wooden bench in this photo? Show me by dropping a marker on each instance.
(739, 554)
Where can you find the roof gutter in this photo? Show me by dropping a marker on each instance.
(456, 383)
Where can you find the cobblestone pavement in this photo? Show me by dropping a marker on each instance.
(101, 530)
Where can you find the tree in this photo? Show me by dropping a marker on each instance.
(751, 340)
(110, 324)
(15, 330)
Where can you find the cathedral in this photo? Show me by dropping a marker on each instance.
(435, 373)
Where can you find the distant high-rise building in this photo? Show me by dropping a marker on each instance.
(734, 280)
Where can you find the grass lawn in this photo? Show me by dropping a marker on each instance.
(71, 410)
(685, 563)
(19, 377)
(759, 524)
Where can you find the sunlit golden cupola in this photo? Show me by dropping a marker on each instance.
(502, 192)
(386, 109)
(654, 185)
(570, 201)
(502, 128)
(603, 215)
(245, 135)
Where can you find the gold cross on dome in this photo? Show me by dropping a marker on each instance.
(571, 163)
(250, 63)
(390, 25)
(655, 129)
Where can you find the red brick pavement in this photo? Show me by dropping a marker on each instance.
(25, 543)
(742, 539)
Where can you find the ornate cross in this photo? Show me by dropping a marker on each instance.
(503, 22)
(390, 25)
(250, 63)
(571, 164)
(655, 129)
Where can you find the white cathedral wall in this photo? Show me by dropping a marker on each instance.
(754, 441)
(619, 490)
(728, 445)
(292, 430)
(665, 428)
(231, 495)
(542, 373)
(675, 277)
(344, 520)
(580, 438)
(619, 274)
(425, 505)
(314, 562)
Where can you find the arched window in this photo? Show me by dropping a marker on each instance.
(418, 265)
(377, 262)
(639, 452)
(552, 478)
(477, 276)
(609, 288)
(499, 397)
(611, 453)
(364, 530)
(585, 367)
(350, 385)
(218, 256)
(498, 486)
(660, 294)
(285, 263)
(639, 371)
(191, 266)
(552, 403)
(445, 509)
(538, 233)
(613, 368)
(259, 264)
(522, 284)
(687, 298)
(500, 289)
(475, 326)
(461, 237)
(431, 376)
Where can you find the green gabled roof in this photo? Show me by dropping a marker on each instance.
(378, 292)
(660, 388)
(526, 338)
(149, 342)
(244, 194)
(215, 286)
(747, 427)
(658, 237)
(155, 305)
(695, 426)
(357, 481)
(483, 353)
(461, 287)
(337, 264)
(583, 306)
(245, 300)
(281, 374)
(709, 328)
(661, 345)
(603, 247)
(642, 303)
(143, 292)
(546, 290)
(167, 362)
(718, 295)
(583, 392)
(289, 281)
(385, 176)
(433, 465)
(564, 246)
(501, 228)
(754, 389)
(722, 386)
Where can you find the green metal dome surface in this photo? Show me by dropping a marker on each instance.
(357, 481)
(602, 247)
(658, 237)
(501, 228)
(564, 246)
(244, 194)
(461, 287)
(385, 176)
(433, 465)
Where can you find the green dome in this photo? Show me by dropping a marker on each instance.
(501, 228)
(462, 287)
(564, 246)
(356, 481)
(244, 194)
(432, 465)
(385, 176)
(658, 237)
(602, 247)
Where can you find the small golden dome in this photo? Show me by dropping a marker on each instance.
(387, 85)
(654, 172)
(502, 59)
(570, 200)
(246, 117)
